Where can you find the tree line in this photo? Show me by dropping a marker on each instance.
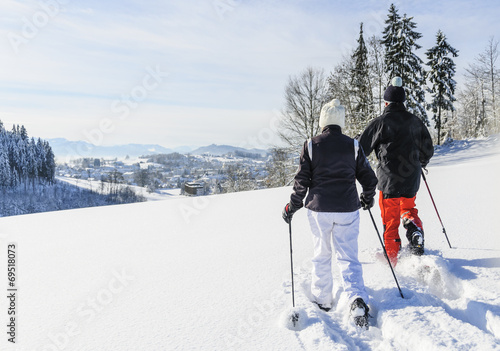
(23, 160)
(359, 80)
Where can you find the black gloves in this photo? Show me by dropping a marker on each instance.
(288, 212)
(367, 202)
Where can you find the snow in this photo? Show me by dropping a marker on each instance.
(294, 318)
(213, 273)
(96, 185)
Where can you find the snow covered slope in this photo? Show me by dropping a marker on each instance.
(212, 273)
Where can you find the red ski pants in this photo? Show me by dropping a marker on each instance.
(392, 210)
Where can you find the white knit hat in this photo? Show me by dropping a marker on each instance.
(332, 113)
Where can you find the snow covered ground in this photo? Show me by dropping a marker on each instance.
(213, 273)
(96, 185)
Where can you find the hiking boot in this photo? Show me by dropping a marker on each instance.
(417, 244)
(415, 236)
(359, 311)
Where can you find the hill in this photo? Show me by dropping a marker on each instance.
(219, 150)
(212, 273)
(77, 149)
(64, 148)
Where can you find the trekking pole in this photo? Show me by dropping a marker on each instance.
(291, 262)
(442, 225)
(294, 315)
(385, 253)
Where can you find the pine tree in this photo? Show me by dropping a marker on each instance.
(14, 157)
(42, 163)
(50, 163)
(5, 172)
(22, 161)
(442, 70)
(400, 40)
(361, 85)
(413, 74)
(23, 132)
(33, 162)
(390, 41)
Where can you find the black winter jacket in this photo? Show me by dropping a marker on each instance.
(330, 163)
(402, 145)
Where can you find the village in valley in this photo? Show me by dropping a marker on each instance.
(167, 175)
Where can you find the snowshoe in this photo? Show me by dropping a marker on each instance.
(294, 318)
(322, 307)
(359, 312)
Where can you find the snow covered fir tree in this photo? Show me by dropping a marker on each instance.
(23, 160)
(28, 182)
(400, 40)
(361, 84)
(440, 75)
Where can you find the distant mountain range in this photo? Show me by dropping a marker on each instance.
(64, 148)
(219, 150)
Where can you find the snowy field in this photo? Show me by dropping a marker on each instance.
(96, 185)
(213, 273)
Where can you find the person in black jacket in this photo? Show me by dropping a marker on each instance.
(330, 164)
(403, 147)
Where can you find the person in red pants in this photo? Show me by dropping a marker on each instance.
(392, 209)
(403, 146)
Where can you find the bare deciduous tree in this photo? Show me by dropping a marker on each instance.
(237, 178)
(305, 95)
(281, 168)
(479, 100)
(376, 53)
(487, 63)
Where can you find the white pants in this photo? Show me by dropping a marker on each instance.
(343, 228)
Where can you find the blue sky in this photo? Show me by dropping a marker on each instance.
(190, 72)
